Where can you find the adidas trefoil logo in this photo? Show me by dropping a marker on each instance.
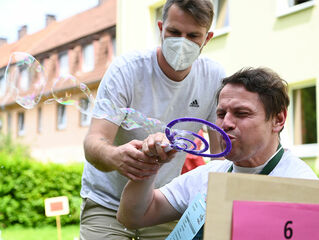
(194, 103)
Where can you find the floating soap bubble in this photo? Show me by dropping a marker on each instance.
(127, 118)
(26, 80)
(113, 114)
(135, 119)
(67, 90)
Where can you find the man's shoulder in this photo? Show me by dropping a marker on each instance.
(292, 166)
(209, 66)
(134, 57)
(219, 165)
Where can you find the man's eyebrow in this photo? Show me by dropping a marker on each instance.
(188, 33)
(236, 108)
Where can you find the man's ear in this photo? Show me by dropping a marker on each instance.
(279, 120)
(209, 37)
(160, 25)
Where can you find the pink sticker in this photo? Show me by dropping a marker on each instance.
(274, 220)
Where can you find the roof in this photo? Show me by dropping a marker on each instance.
(62, 32)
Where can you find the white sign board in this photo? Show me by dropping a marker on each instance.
(56, 206)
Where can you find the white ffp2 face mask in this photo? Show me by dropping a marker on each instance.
(180, 52)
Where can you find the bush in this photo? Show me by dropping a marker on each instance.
(25, 183)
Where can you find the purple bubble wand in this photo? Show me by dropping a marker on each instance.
(176, 140)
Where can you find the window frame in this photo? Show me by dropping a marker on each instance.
(39, 120)
(225, 29)
(302, 150)
(283, 8)
(85, 120)
(9, 123)
(24, 83)
(88, 67)
(21, 128)
(64, 69)
(61, 119)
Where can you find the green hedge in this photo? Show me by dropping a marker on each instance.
(25, 183)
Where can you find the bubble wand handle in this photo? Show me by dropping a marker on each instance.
(175, 141)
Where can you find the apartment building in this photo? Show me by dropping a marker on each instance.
(280, 34)
(82, 45)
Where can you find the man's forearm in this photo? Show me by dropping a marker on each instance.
(98, 151)
(136, 199)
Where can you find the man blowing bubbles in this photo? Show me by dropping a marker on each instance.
(252, 110)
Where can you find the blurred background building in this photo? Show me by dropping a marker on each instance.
(280, 34)
(82, 45)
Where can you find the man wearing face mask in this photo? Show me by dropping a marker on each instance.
(166, 83)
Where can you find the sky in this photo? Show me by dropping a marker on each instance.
(16, 13)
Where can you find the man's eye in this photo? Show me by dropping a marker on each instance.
(192, 36)
(174, 32)
(242, 114)
(220, 115)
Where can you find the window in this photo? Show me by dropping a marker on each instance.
(85, 119)
(88, 58)
(3, 86)
(286, 7)
(64, 63)
(304, 113)
(24, 80)
(61, 117)
(21, 123)
(9, 119)
(39, 120)
(296, 2)
(221, 17)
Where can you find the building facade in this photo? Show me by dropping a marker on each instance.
(82, 46)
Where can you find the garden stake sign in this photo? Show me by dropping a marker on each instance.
(55, 207)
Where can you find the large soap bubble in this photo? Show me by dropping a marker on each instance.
(25, 79)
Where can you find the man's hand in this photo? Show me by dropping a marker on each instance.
(131, 162)
(154, 146)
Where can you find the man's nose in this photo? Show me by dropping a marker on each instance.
(228, 122)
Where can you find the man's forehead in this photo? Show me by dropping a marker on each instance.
(174, 16)
(237, 94)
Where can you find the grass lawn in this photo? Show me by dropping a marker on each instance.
(43, 233)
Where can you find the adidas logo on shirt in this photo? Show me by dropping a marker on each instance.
(194, 104)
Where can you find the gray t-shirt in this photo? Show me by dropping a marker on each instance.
(136, 81)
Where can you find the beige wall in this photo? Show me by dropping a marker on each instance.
(287, 44)
(136, 25)
(259, 34)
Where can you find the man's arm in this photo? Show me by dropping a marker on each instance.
(127, 159)
(141, 205)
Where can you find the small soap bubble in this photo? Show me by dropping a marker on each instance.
(67, 90)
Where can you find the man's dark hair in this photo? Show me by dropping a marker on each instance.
(270, 87)
(201, 10)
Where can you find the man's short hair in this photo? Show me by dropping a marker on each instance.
(270, 87)
(201, 10)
